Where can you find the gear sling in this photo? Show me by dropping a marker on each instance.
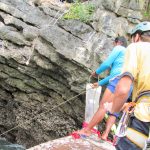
(138, 138)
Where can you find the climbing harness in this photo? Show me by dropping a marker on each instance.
(136, 137)
(147, 142)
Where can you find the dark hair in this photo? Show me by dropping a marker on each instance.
(146, 33)
(145, 36)
(121, 39)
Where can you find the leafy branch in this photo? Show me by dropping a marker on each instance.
(80, 11)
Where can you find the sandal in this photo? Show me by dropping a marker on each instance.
(77, 135)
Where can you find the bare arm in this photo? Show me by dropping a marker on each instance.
(121, 93)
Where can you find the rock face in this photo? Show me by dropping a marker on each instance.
(68, 143)
(45, 61)
(5, 145)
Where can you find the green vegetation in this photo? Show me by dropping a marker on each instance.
(80, 11)
(147, 13)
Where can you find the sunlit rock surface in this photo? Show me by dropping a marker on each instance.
(68, 143)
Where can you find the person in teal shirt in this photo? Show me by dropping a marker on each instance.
(115, 63)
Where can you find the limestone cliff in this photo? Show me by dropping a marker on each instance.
(46, 60)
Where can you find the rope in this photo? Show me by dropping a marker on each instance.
(44, 113)
(27, 63)
(32, 51)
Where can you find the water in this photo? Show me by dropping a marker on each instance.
(4, 145)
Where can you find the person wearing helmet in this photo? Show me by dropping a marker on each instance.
(115, 62)
(136, 70)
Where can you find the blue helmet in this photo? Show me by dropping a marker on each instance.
(142, 27)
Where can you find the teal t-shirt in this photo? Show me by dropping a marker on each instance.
(115, 62)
